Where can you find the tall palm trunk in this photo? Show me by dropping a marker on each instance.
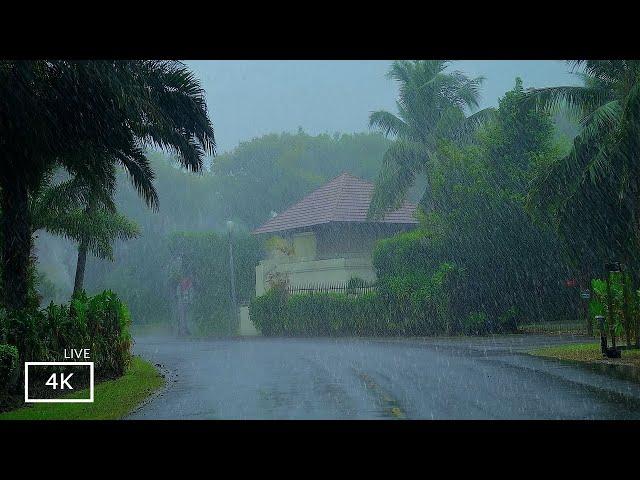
(16, 242)
(80, 268)
(82, 256)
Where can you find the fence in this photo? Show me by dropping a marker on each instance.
(349, 288)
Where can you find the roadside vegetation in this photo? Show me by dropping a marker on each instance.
(114, 399)
(586, 352)
(515, 202)
(477, 264)
(516, 219)
(60, 156)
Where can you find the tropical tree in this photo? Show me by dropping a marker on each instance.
(432, 106)
(83, 116)
(86, 215)
(592, 192)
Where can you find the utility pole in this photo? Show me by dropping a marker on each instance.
(234, 301)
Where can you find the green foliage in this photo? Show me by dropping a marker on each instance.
(117, 398)
(431, 107)
(596, 183)
(260, 176)
(204, 257)
(83, 213)
(320, 314)
(116, 108)
(410, 304)
(100, 323)
(9, 366)
(599, 304)
(403, 254)
(475, 323)
(267, 312)
(474, 217)
(403, 309)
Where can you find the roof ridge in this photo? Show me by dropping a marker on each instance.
(339, 194)
(345, 198)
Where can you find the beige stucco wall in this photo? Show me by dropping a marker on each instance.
(301, 273)
(326, 254)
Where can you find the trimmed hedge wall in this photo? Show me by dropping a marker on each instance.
(372, 314)
(320, 314)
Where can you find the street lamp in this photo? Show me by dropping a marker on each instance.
(234, 301)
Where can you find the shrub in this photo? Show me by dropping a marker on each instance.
(100, 322)
(319, 314)
(423, 303)
(404, 253)
(8, 366)
(598, 304)
(267, 312)
(475, 323)
(409, 304)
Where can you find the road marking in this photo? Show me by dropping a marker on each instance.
(390, 406)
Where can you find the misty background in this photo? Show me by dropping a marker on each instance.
(282, 129)
(248, 99)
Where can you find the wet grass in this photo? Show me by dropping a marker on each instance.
(586, 352)
(554, 328)
(113, 399)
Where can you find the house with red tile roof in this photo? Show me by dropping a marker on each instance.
(327, 236)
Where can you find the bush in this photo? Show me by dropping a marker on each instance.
(475, 323)
(423, 303)
(407, 304)
(598, 304)
(100, 322)
(267, 312)
(319, 314)
(8, 366)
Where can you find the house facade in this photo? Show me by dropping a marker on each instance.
(326, 237)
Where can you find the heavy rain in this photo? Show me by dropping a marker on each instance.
(319, 239)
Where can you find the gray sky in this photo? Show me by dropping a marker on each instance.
(249, 98)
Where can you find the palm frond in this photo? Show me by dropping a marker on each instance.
(387, 123)
(576, 101)
(402, 162)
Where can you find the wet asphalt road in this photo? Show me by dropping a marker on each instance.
(480, 378)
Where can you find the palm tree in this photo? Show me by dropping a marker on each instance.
(595, 187)
(432, 106)
(593, 192)
(83, 116)
(85, 214)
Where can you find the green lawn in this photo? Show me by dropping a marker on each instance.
(113, 399)
(584, 352)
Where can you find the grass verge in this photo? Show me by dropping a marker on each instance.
(554, 328)
(113, 399)
(586, 352)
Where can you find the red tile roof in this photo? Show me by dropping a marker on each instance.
(344, 199)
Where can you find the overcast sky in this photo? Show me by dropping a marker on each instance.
(251, 98)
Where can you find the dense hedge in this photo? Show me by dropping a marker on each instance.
(100, 322)
(372, 314)
(320, 314)
(479, 298)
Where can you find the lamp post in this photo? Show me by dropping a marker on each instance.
(234, 301)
